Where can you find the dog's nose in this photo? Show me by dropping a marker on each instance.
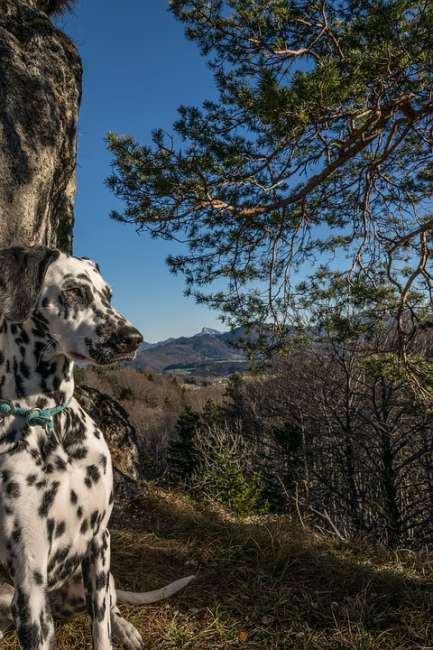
(130, 336)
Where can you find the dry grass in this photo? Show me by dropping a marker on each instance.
(261, 584)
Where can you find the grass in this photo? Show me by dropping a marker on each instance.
(261, 584)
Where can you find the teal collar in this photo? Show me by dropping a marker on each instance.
(35, 417)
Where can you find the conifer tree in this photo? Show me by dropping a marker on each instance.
(308, 181)
(182, 455)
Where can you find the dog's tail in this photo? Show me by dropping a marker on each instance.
(147, 597)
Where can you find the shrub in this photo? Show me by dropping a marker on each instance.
(226, 483)
(224, 473)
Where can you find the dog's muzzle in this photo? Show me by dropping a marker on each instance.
(130, 337)
(123, 342)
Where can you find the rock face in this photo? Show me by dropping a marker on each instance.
(40, 91)
(120, 435)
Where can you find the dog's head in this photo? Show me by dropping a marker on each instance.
(70, 296)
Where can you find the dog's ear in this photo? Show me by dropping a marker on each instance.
(22, 272)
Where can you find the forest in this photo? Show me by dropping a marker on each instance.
(329, 436)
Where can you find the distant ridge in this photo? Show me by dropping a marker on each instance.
(209, 352)
(208, 330)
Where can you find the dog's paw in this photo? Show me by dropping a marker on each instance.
(125, 633)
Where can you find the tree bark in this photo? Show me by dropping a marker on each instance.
(40, 92)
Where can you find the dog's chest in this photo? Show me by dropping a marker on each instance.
(56, 496)
(80, 508)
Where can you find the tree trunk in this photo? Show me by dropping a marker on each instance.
(392, 510)
(40, 91)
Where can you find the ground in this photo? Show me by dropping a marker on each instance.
(262, 584)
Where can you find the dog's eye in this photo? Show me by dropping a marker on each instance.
(78, 296)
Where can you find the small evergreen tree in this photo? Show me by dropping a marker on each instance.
(182, 453)
(234, 403)
(212, 415)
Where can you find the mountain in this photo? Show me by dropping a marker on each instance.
(208, 330)
(209, 352)
(145, 345)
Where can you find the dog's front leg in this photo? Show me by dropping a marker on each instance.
(30, 607)
(96, 576)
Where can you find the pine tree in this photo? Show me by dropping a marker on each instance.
(317, 152)
(182, 455)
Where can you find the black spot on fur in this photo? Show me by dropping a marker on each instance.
(50, 529)
(13, 489)
(93, 473)
(37, 577)
(60, 529)
(94, 518)
(48, 499)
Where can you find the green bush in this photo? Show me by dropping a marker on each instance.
(224, 471)
(210, 457)
(226, 482)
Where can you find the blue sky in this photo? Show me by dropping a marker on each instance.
(138, 68)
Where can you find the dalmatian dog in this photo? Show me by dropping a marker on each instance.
(56, 484)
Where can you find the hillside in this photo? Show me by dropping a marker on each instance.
(154, 402)
(263, 584)
(209, 353)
